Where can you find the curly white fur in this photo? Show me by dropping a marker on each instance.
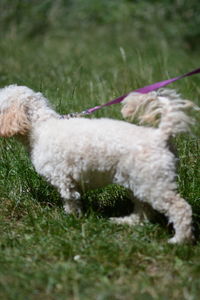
(78, 154)
(164, 106)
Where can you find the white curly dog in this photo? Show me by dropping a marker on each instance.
(78, 154)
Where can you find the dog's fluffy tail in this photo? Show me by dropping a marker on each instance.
(164, 108)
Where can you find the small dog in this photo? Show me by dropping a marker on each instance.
(78, 154)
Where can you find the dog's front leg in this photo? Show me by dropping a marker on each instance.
(71, 201)
(72, 206)
(70, 195)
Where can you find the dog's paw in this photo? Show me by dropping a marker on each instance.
(173, 241)
(189, 240)
(73, 210)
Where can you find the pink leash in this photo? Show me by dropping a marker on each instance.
(143, 90)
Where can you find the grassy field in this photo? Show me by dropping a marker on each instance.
(48, 255)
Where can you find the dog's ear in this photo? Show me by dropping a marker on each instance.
(14, 120)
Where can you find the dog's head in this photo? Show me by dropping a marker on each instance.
(14, 111)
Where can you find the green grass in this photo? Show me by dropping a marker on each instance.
(48, 255)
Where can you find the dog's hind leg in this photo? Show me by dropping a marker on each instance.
(175, 208)
(142, 212)
(133, 219)
(178, 212)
